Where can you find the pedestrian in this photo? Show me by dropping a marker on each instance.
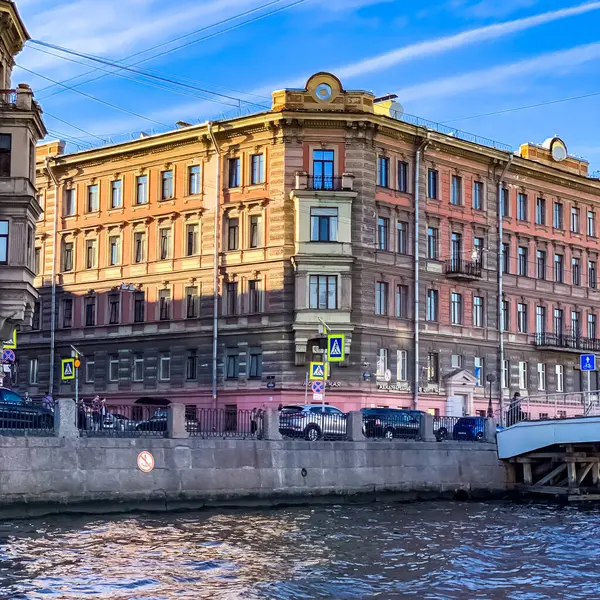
(96, 413)
(48, 402)
(515, 415)
(82, 417)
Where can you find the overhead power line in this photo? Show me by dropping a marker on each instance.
(74, 126)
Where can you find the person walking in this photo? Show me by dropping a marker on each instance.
(96, 413)
(515, 414)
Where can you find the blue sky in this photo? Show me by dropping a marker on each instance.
(448, 60)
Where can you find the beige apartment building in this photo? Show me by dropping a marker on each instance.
(197, 265)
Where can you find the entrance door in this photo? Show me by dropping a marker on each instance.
(457, 405)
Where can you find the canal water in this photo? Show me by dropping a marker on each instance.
(427, 551)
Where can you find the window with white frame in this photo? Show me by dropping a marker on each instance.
(382, 361)
(192, 232)
(402, 176)
(164, 303)
(381, 298)
(138, 367)
(402, 301)
(383, 233)
(505, 374)
(164, 234)
(401, 365)
(165, 366)
(257, 169)
(91, 251)
(522, 317)
(523, 375)
(255, 237)
(456, 311)
(323, 292)
(478, 195)
(541, 377)
(116, 193)
(560, 378)
(70, 205)
(402, 237)
(114, 245)
(93, 198)
(456, 361)
(141, 184)
(90, 370)
(477, 311)
(194, 181)
(113, 368)
(139, 247)
(167, 191)
(478, 371)
(33, 371)
(192, 301)
(323, 224)
(432, 184)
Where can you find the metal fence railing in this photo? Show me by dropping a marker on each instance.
(465, 429)
(30, 418)
(313, 424)
(388, 425)
(122, 421)
(224, 423)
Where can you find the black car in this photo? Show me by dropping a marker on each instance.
(17, 413)
(157, 422)
(390, 423)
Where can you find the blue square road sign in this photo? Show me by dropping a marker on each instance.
(587, 362)
(335, 347)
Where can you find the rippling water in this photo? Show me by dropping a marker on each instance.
(426, 551)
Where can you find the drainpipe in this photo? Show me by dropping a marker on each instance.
(216, 265)
(500, 285)
(53, 308)
(420, 150)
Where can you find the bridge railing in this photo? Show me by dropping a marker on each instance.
(553, 406)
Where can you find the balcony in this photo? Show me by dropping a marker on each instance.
(566, 342)
(463, 269)
(304, 181)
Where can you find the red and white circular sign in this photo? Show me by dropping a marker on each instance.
(145, 461)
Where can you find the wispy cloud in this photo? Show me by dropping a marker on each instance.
(563, 61)
(484, 9)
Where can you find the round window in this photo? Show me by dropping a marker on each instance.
(324, 91)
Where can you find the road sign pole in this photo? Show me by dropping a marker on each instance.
(306, 389)
(325, 377)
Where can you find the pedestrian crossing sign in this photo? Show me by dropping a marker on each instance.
(10, 344)
(336, 347)
(68, 369)
(317, 371)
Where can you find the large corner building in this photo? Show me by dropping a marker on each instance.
(329, 207)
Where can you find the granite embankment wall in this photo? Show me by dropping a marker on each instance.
(69, 474)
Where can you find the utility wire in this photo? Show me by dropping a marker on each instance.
(75, 126)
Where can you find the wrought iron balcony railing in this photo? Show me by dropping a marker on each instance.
(566, 341)
(317, 182)
(463, 269)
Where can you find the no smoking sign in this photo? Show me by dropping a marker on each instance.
(145, 461)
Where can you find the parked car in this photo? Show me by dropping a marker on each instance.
(439, 429)
(157, 422)
(312, 422)
(16, 413)
(118, 422)
(469, 428)
(390, 423)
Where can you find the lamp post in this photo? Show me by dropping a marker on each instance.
(490, 378)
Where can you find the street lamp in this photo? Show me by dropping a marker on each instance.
(490, 378)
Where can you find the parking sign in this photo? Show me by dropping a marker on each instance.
(587, 362)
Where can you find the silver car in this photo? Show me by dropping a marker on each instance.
(312, 422)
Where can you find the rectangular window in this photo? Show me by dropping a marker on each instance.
(256, 231)
(164, 304)
(559, 275)
(402, 176)
(165, 366)
(257, 169)
(478, 195)
(541, 264)
(432, 305)
(323, 292)
(67, 258)
(90, 311)
(254, 296)
(232, 298)
(116, 194)
(574, 220)
(255, 370)
(113, 368)
(323, 163)
(576, 271)
(591, 223)
(477, 311)
(523, 368)
(401, 365)
(5, 154)
(591, 326)
(381, 298)
(139, 247)
(540, 320)
(138, 367)
(505, 315)
(432, 184)
(37, 257)
(383, 233)
(433, 369)
(456, 361)
(505, 258)
(69, 206)
(233, 234)
(233, 364)
(165, 243)
(557, 221)
(33, 371)
(592, 274)
(383, 171)
(194, 181)
(456, 195)
(92, 198)
(67, 311)
(402, 235)
(114, 309)
(114, 244)
(36, 321)
(191, 365)
(560, 378)
(522, 317)
(192, 232)
(505, 374)
(90, 254)
(90, 370)
(456, 308)
(166, 190)
(234, 172)
(432, 243)
(382, 361)
(478, 247)
(141, 184)
(522, 206)
(559, 323)
(504, 202)
(540, 211)
(478, 370)
(139, 307)
(191, 302)
(576, 323)
(402, 301)
(523, 261)
(541, 377)
(323, 224)
(456, 248)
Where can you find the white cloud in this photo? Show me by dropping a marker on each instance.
(554, 63)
